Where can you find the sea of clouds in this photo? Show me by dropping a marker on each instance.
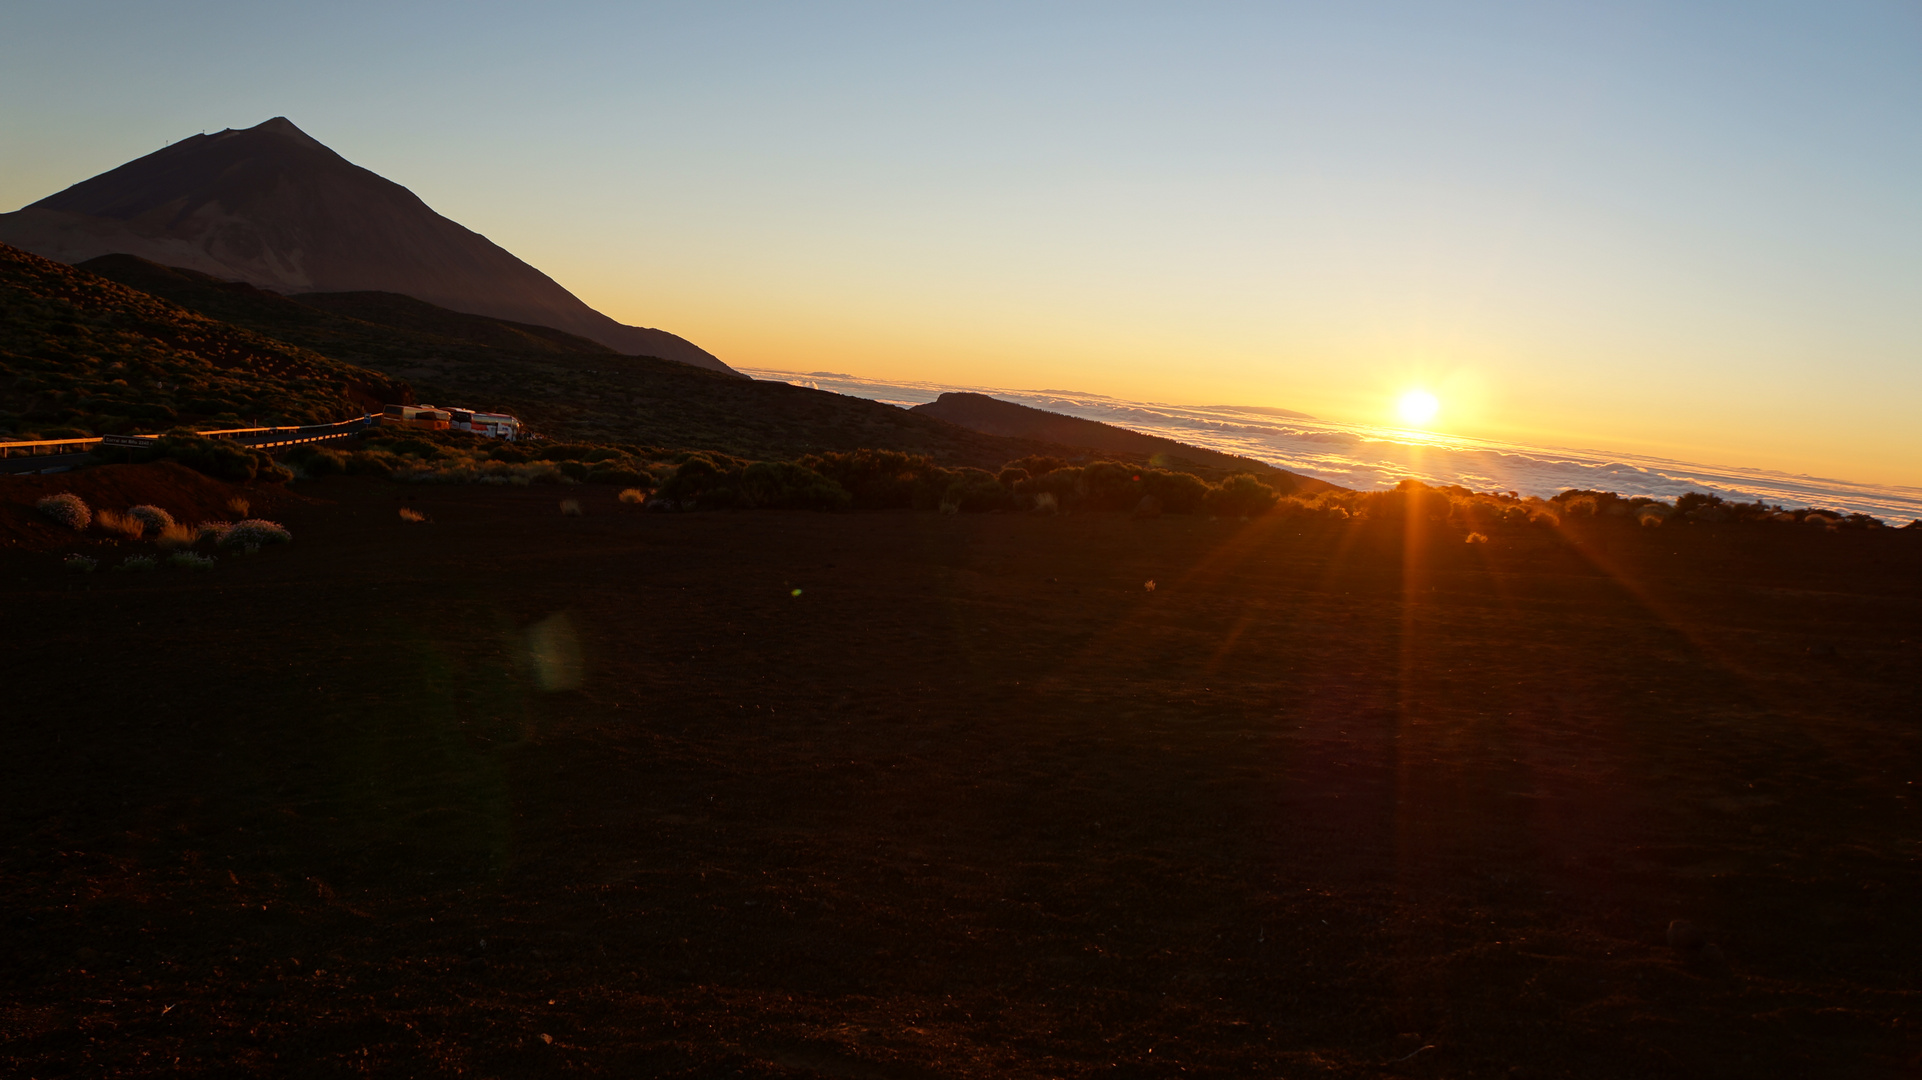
(1369, 458)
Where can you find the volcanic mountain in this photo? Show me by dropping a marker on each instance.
(271, 206)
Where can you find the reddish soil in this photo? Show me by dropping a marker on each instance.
(1331, 800)
(187, 495)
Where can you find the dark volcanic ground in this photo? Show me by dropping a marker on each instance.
(1329, 801)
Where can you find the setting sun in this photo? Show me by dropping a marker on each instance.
(1418, 407)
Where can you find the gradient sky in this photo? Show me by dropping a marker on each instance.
(1687, 229)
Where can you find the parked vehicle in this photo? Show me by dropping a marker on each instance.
(492, 425)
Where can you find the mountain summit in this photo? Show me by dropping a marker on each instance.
(271, 206)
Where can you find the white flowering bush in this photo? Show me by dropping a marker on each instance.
(253, 533)
(68, 509)
(153, 518)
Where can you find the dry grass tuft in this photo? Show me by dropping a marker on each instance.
(1046, 503)
(408, 513)
(176, 538)
(123, 524)
(571, 508)
(633, 496)
(238, 506)
(1477, 538)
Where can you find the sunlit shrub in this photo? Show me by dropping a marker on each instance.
(1240, 495)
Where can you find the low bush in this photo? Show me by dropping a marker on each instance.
(138, 562)
(571, 508)
(254, 533)
(783, 485)
(974, 491)
(153, 517)
(1240, 495)
(187, 560)
(68, 509)
(211, 530)
(316, 461)
(80, 564)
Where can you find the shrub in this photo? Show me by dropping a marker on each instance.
(68, 509)
(316, 462)
(253, 533)
(187, 560)
(571, 508)
(80, 564)
(218, 458)
(212, 530)
(977, 490)
(883, 479)
(138, 562)
(176, 538)
(153, 517)
(783, 485)
(124, 524)
(633, 496)
(1240, 495)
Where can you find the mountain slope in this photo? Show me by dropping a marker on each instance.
(273, 207)
(82, 354)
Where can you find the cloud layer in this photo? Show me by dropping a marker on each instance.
(1369, 458)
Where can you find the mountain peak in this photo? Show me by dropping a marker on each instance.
(279, 125)
(274, 207)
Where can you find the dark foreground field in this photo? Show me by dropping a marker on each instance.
(973, 802)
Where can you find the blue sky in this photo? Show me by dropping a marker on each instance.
(1675, 228)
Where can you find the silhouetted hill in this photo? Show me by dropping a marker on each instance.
(992, 416)
(271, 206)
(564, 386)
(80, 353)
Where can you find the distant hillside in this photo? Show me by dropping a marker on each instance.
(271, 206)
(82, 354)
(992, 416)
(565, 386)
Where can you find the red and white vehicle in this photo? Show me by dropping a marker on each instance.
(492, 425)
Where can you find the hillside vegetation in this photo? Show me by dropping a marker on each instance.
(82, 355)
(575, 390)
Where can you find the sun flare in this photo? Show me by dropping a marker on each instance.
(1418, 407)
